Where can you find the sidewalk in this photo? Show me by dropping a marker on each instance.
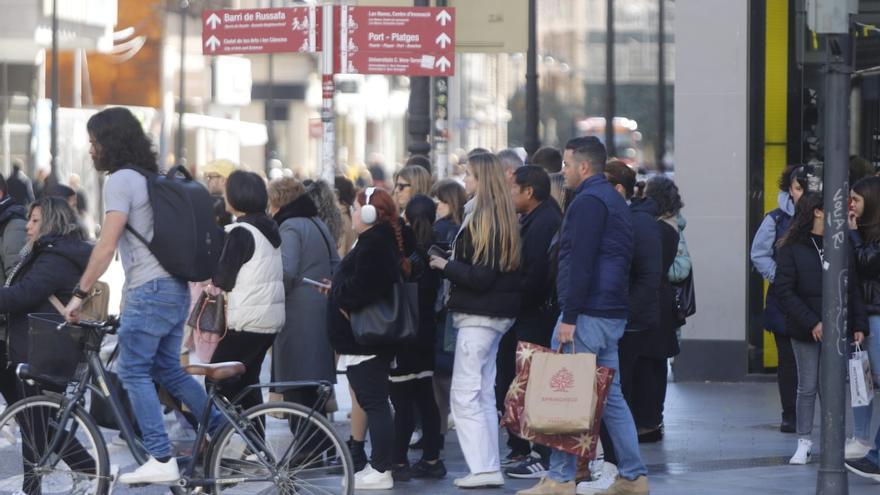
(721, 439)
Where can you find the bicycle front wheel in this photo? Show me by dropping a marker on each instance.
(78, 463)
(289, 449)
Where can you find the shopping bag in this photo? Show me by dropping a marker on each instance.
(861, 383)
(561, 393)
(582, 444)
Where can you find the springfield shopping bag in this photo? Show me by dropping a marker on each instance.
(861, 384)
(561, 396)
(582, 445)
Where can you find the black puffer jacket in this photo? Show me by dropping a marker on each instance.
(53, 267)
(867, 256)
(798, 286)
(480, 289)
(366, 275)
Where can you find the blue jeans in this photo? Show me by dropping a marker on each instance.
(600, 336)
(862, 415)
(150, 335)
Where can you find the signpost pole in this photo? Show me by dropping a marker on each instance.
(181, 106)
(532, 141)
(441, 121)
(56, 94)
(328, 88)
(418, 121)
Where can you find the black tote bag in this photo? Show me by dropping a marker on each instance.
(391, 321)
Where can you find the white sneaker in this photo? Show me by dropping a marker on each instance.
(370, 479)
(152, 471)
(803, 453)
(481, 480)
(855, 449)
(602, 480)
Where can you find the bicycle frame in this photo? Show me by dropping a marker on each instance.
(93, 368)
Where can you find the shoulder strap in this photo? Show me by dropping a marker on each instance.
(321, 233)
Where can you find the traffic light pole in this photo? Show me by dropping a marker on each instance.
(832, 478)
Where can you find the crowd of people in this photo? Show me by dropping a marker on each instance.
(563, 248)
(788, 251)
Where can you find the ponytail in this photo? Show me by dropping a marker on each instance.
(405, 265)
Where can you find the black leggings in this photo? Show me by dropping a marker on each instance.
(249, 348)
(369, 381)
(407, 397)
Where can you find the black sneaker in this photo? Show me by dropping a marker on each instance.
(864, 468)
(401, 472)
(424, 469)
(530, 468)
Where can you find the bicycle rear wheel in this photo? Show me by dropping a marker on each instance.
(79, 465)
(303, 454)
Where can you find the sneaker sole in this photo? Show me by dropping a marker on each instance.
(476, 487)
(871, 476)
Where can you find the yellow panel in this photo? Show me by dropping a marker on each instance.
(775, 120)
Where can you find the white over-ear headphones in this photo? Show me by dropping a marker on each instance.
(368, 211)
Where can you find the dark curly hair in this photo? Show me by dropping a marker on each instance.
(664, 192)
(796, 172)
(120, 141)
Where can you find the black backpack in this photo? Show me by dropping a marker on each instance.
(186, 239)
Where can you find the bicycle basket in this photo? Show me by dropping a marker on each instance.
(53, 351)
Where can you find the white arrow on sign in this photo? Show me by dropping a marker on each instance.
(443, 17)
(443, 63)
(212, 43)
(443, 40)
(213, 20)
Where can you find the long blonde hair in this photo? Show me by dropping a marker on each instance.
(493, 226)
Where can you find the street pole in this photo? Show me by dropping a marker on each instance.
(609, 78)
(56, 94)
(661, 88)
(270, 110)
(832, 478)
(532, 142)
(441, 121)
(328, 88)
(418, 120)
(181, 107)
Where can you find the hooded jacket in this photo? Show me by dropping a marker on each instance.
(772, 227)
(53, 267)
(13, 235)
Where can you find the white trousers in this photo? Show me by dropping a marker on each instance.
(473, 397)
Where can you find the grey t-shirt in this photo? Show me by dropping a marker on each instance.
(126, 191)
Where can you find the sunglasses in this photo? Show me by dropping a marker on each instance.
(400, 186)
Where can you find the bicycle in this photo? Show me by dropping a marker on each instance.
(276, 447)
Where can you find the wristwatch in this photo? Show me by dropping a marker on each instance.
(77, 292)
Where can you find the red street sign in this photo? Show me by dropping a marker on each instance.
(409, 41)
(251, 31)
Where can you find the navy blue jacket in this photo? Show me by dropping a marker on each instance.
(646, 272)
(595, 253)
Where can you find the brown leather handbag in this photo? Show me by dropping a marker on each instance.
(209, 315)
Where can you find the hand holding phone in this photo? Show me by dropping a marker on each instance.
(437, 251)
(317, 284)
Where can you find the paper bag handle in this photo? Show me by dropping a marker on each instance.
(561, 345)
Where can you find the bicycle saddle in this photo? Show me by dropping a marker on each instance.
(217, 371)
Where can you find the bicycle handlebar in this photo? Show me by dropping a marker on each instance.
(109, 326)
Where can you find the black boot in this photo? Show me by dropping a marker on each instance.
(358, 454)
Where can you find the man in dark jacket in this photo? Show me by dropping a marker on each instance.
(19, 185)
(540, 218)
(645, 276)
(595, 253)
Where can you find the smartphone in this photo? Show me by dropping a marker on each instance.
(316, 283)
(437, 251)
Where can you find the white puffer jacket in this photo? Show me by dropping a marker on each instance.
(256, 304)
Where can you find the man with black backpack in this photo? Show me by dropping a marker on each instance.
(158, 224)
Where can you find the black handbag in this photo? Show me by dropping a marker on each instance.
(685, 298)
(391, 321)
(209, 314)
(99, 406)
